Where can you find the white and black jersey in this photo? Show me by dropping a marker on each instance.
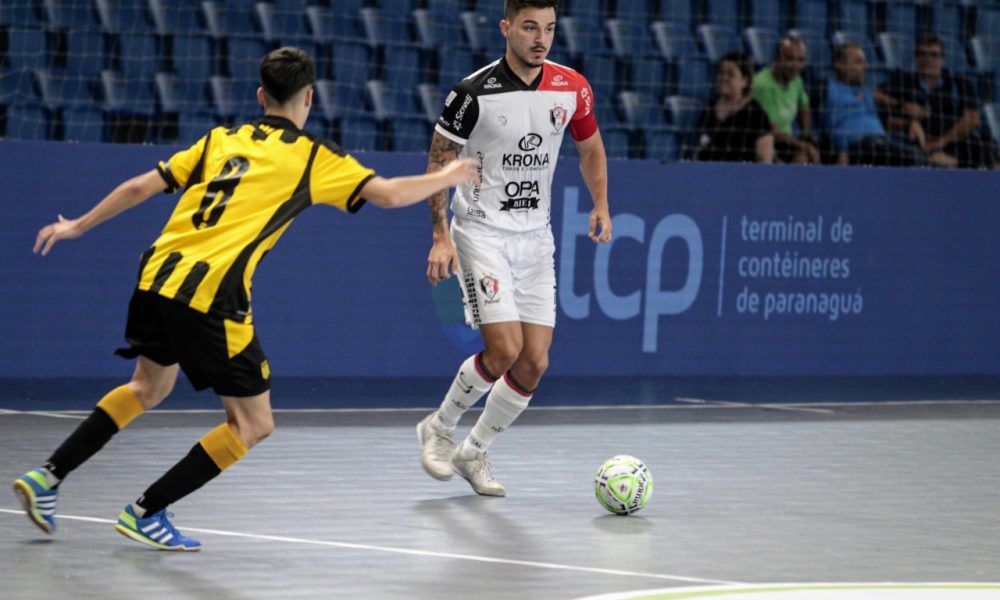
(515, 130)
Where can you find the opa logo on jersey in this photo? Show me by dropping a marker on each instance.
(530, 142)
(521, 195)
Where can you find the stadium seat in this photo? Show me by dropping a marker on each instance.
(228, 20)
(448, 6)
(21, 15)
(359, 134)
(718, 41)
(352, 63)
(175, 17)
(722, 13)
(126, 95)
(280, 23)
(602, 73)
(123, 16)
(27, 123)
(439, 31)
(648, 75)
(139, 56)
(85, 53)
(234, 101)
(954, 55)
(483, 34)
(327, 26)
(897, 50)
(683, 112)
(392, 103)
(854, 16)
(691, 77)
(404, 67)
(630, 39)
(769, 14)
(568, 147)
(325, 100)
(17, 87)
(177, 94)
(901, 17)
(409, 135)
(83, 124)
(194, 57)
(760, 41)
(454, 67)
(243, 57)
(813, 15)
(27, 48)
(616, 143)
(75, 15)
(641, 112)
(431, 101)
(677, 11)
(386, 29)
(62, 90)
(662, 145)
(984, 53)
(991, 116)
(592, 11)
(947, 19)
(192, 126)
(674, 40)
(582, 37)
(633, 11)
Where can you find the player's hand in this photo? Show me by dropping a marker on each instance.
(442, 261)
(600, 224)
(460, 171)
(63, 229)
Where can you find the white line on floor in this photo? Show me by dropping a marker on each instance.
(390, 549)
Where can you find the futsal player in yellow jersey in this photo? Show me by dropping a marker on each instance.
(191, 307)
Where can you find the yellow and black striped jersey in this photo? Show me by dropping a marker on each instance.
(242, 188)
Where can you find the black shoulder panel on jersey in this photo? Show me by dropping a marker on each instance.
(197, 173)
(329, 144)
(497, 79)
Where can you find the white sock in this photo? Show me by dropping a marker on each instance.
(505, 403)
(53, 481)
(469, 385)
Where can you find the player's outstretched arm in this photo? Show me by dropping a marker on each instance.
(130, 193)
(594, 167)
(398, 192)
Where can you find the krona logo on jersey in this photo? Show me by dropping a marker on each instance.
(529, 160)
(492, 84)
(559, 81)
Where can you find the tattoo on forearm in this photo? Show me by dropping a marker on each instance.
(442, 152)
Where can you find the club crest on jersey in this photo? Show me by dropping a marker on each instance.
(558, 117)
(490, 287)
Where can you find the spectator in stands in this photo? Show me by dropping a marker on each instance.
(944, 104)
(734, 127)
(782, 94)
(853, 122)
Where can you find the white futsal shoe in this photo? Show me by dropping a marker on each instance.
(435, 447)
(476, 471)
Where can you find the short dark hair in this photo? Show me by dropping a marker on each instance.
(788, 39)
(744, 64)
(284, 72)
(929, 39)
(512, 7)
(840, 51)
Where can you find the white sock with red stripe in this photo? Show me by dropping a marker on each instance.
(505, 403)
(469, 385)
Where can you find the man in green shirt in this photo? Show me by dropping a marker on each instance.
(779, 89)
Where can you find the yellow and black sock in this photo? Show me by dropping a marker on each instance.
(214, 453)
(115, 410)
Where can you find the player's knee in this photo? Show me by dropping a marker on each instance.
(501, 357)
(535, 364)
(150, 394)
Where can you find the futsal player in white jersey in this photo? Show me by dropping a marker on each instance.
(511, 115)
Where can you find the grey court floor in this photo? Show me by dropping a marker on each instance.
(335, 504)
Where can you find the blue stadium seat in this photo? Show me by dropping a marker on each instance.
(359, 133)
(947, 19)
(85, 53)
(84, 124)
(21, 15)
(194, 57)
(175, 17)
(352, 63)
(177, 94)
(616, 143)
(74, 15)
(568, 147)
(678, 11)
(386, 29)
(327, 26)
(985, 52)
(630, 39)
(760, 42)
(139, 55)
(389, 103)
(454, 67)
(126, 95)
(723, 13)
(192, 126)
(662, 145)
(991, 116)
(691, 77)
(674, 40)
(123, 16)
(437, 30)
(483, 33)
(410, 135)
(770, 14)
(648, 75)
(603, 74)
(641, 112)
(325, 101)
(228, 20)
(855, 16)
(897, 50)
(592, 11)
(27, 48)
(431, 101)
(234, 101)
(954, 55)
(404, 67)
(61, 90)
(243, 57)
(281, 23)
(27, 123)
(718, 41)
(683, 112)
(581, 36)
(634, 11)
(901, 17)
(448, 6)
(17, 87)
(813, 15)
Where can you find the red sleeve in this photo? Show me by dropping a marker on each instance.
(584, 124)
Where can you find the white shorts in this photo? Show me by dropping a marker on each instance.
(506, 276)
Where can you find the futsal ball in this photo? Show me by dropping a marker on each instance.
(623, 484)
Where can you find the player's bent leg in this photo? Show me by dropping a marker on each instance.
(250, 417)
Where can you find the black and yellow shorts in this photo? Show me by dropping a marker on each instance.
(213, 352)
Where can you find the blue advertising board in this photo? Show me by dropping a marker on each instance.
(714, 270)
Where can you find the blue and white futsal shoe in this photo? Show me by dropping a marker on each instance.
(38, 499)
(156, 530)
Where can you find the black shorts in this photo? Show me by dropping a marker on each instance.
(213, 352)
